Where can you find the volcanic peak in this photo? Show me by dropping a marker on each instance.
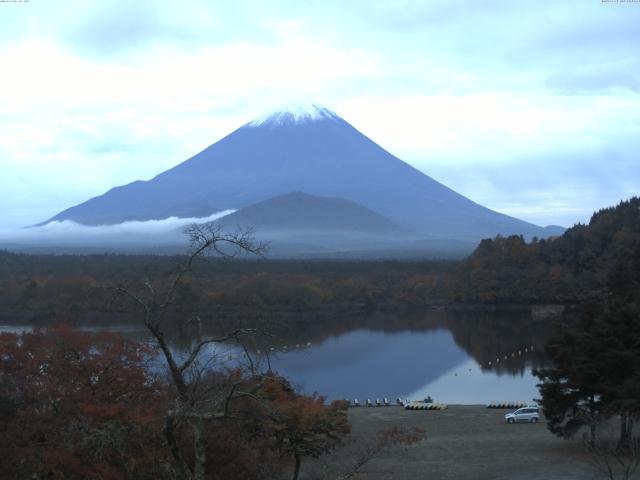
(292, 114)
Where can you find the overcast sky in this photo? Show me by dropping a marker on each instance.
(531, 108)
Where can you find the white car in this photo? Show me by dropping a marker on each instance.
(526, 414)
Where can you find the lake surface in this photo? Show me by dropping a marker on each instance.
(372, 364)
(454, 357)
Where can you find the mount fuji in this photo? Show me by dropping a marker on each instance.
(311, 151)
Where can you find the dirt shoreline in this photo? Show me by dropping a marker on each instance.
(466, 442)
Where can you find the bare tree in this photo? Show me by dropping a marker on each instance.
(613, 461)
(196, 401)
(385, 439)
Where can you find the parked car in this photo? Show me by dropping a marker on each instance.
(526, 414)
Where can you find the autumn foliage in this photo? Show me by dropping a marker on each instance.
(303, 426)
(76, 405)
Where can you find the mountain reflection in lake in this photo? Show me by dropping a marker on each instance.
(374, 364)
(464, 357)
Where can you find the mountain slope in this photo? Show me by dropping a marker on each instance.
(299, 211)
(316, 152)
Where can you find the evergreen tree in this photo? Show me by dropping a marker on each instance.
(595, 372)
(570, 388)
(618, 332)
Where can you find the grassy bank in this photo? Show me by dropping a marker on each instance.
(464, 442)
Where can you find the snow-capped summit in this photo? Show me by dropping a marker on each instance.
(293, 114)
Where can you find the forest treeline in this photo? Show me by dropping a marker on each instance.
(591, 378)
(67, 284)
(566, 269)
(572, 268)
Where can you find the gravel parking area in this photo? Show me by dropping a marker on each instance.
(466, 442)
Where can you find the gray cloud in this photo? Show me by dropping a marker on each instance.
(121, 28)
(118, 26)
(564, 187)
(599, 78)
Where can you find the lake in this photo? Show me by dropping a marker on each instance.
(457, 357)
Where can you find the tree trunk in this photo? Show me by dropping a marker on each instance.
(592, 434)
(625, 432)
(296, 470)
(199, 449)
(592, 423)
(172, 441)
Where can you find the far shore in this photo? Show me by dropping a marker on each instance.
(538, 311)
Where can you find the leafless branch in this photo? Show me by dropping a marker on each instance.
(196, 350)
(611, 460)
(197, 400)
